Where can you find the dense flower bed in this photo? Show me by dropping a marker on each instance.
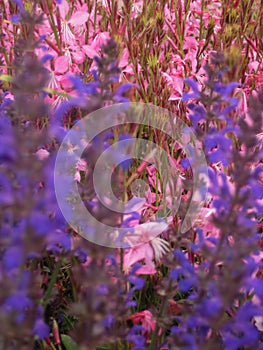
(173, 282)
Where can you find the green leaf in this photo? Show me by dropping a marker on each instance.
(68, 342)
(55, 92)
(7, 78)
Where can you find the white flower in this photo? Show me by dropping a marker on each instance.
(67, 35)
(160, 248)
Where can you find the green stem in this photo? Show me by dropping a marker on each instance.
(51, 284)
(95, 17)
(53, 24)
(161, 314)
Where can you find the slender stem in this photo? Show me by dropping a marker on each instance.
(160, 316)
(53, 24)
(51, 284)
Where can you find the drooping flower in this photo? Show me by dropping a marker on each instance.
(145, 318)
(145, 246)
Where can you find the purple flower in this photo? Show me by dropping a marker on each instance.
(13, 257)
(6, 194)
(20, 5)
(210, 306)
(198, 113)
(18, 302)
(40, 223)
(108, 321)
(41, 329)
(137, 339)
(102, 289)
(118, 97)
(186, 284)
(46, 58)
(81, 255)
(195, 94)
(7, 143)
(185, 163)
(58, 241)
(15, 19)
(138, 282)
(218, 147)
(81, 87)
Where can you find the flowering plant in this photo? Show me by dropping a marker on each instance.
(162, 287)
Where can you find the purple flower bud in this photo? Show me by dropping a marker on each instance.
(41, 329)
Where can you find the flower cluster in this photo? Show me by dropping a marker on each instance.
(164, 289)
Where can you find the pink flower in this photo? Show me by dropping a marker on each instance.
(94, 48)
(126, 67)
(145, 318)
(175, 78)
(253, 66)
(81, 166)
(99, 40)
(90, 51)
(124, 60)
(62, 64)
(143, 252)
(145, 246)
(190, 43)
(241, 94)
(137, 7)
(77, 20)
(203, 221)
(42, 154)
(77, 54)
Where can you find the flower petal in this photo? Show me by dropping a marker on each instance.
(79, 18)
(62, 64)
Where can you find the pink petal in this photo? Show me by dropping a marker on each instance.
(151, 197)
(178, 84)
(146, 270)
(78, 56)
(190, 43)
(153, 229)
(77, 176)
(82, 165)
(253, 65)
(128, 69)
(243, 102)
(89, 51)
(135, 204)
(61, 64)
(79, 18)
(42, 154)
(167, 77)
(99, 40)
(174, 97)
(87, 262)
(190, 56)
(133, 255)
(66, 83)
(149, 256)
(124, 58)
(63, 9)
